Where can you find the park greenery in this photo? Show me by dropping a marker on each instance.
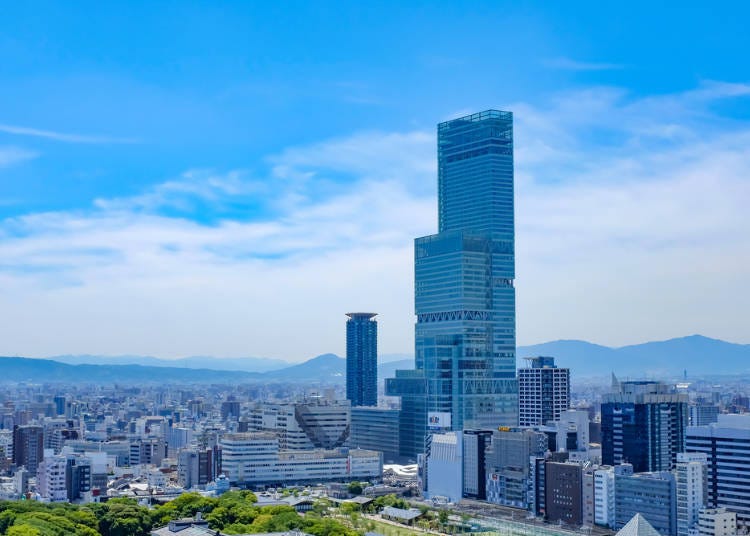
(234, 512)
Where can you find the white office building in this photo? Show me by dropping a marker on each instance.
(51, 483)
(690, 476)
(604, 496)
(726, 444)
(255, 459)
(570, 432)
(444, 461)
(314, 423)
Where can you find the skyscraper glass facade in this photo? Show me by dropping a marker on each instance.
(464, 277)
(465, 300)
(362, 359)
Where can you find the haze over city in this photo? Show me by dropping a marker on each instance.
(186, 180)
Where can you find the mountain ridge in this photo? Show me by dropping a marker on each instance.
(696, 354)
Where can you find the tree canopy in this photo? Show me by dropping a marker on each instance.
(235, 512)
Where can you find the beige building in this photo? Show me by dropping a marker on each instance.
(717, 522)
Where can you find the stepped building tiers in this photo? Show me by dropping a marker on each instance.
(465, 299)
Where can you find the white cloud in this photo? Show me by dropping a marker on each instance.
(184, 192)
(10, 155)
(631, 224)
(60, 136)
(568, 64)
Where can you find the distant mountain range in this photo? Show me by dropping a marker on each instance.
(323, 369)
(247, 364)
(21, 369)
(698, 355)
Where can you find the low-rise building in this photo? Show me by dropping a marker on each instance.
(564, 492)
(651, 495)
(255, 459)
(717, 522)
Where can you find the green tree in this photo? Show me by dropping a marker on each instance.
(321, 506)
(7, 518)
(355, 488)
(23, 530)
(349, 508)
(123, 517)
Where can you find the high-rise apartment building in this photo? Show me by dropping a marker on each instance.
(28, 447)
(726, 444)
(464, 278)
(643, 423)
(543, 392)
(362, 359)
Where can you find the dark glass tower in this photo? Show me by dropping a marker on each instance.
(362, 359)
(465, 300)
(644, 424)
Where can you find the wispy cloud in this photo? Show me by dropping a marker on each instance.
(188, 192)
(568, 64)
(10, 155)
(630, 219)
(61, 136)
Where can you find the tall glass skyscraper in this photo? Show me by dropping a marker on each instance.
(465, 298)
(362, 359)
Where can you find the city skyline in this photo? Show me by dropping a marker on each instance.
(147, 211)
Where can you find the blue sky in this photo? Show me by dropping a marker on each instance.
(205, 178)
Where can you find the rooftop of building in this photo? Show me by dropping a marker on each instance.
(326, 454)
(478, 116)
(734, 424)
(249, 436)
(638, 526)
(400, 513)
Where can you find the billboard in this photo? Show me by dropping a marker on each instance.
(438, 420)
